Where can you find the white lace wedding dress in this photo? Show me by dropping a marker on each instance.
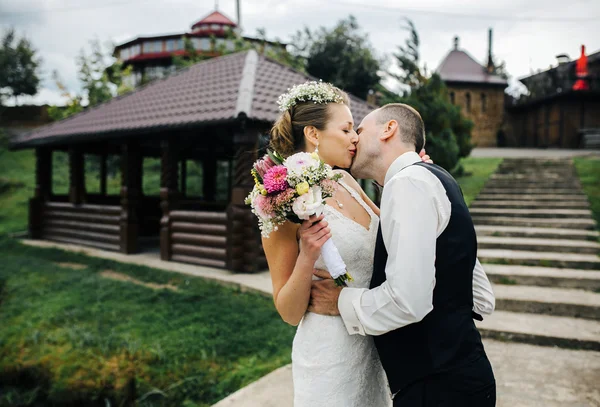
(330, 367)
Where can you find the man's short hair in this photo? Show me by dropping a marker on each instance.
(410, 123)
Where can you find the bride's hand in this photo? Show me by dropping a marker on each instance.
(425, 157)
(313, 233)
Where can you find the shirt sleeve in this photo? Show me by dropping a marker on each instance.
(484, 301)
(409, 222)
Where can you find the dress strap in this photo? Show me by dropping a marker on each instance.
(358, 198)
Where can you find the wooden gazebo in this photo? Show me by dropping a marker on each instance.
(217, 112)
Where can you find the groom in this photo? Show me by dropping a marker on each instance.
(419, 307)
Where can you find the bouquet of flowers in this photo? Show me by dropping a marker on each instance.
(294, 189)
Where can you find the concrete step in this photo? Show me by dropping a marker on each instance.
(534, 183)
(540, 233)
(539, 198)
(538, 245)
(523, 186)
(554, 176)
(541, 376)
(530, 191)
(587, 224)
(543, 277)
(544, 330)
(543, 259)
(515, 204)
(562, 302)
(532, 213)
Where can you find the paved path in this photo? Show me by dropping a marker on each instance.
(526, 375)
(259, 282)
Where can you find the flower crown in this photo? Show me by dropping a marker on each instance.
(317, 92)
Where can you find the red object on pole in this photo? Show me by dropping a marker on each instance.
(581, 72)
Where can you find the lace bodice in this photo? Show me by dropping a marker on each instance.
(330, 367)
(355, 243)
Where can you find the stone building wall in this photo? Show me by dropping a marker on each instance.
(485, 109)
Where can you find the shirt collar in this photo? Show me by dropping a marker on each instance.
(400, 163)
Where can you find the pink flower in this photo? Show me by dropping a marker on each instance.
(275, 179)
(283, 198)
(263, 165)
(329, 186)
(263, 206)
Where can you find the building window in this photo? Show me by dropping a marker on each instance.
(170, 45)
(217, 27)
(468, 98)
(125, 54)
(153, 46)
(483, 102)
(197, 44)
(180, 44)
(135, 50)
(205, 44)
(452, 97)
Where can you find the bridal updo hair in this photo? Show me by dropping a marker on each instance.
(287, 134)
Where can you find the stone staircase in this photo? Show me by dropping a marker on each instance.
(539, 245)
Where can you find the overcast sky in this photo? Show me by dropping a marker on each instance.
(528, 34)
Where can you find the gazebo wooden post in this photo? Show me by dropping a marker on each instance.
(242, 239)
(209, 171)
(103, 159)
(169, 194)
(131, 191)
(76, 176)
(43, 190)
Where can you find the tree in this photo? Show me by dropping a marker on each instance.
(101, 79)
(18, 67)
(342, 56)
(448, 135)
(191, 56)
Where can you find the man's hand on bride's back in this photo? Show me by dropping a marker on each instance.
(313, 234)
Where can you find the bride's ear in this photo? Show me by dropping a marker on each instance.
(311, 135)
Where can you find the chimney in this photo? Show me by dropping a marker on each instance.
(562, 59)
(239, 15)
(490, 63)
(456, 41)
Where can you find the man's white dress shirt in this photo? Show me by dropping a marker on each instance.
(415, 210)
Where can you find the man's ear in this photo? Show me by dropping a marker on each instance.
(390, 129)
(311, 134)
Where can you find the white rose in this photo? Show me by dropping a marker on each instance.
(300, 163)
(309, 204)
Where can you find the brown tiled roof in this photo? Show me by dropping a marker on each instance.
(458, 66)
(213, 91)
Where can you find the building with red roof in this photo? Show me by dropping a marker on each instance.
(152, 56)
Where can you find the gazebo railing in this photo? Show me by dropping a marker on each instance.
(199, 237)
(85, 224)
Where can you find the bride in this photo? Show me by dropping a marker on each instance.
(330, 368)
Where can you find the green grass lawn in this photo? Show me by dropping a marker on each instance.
(72, 337)
(17, 179)
(477, 171)
(588, 169)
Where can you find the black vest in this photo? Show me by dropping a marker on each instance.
(446, 338)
